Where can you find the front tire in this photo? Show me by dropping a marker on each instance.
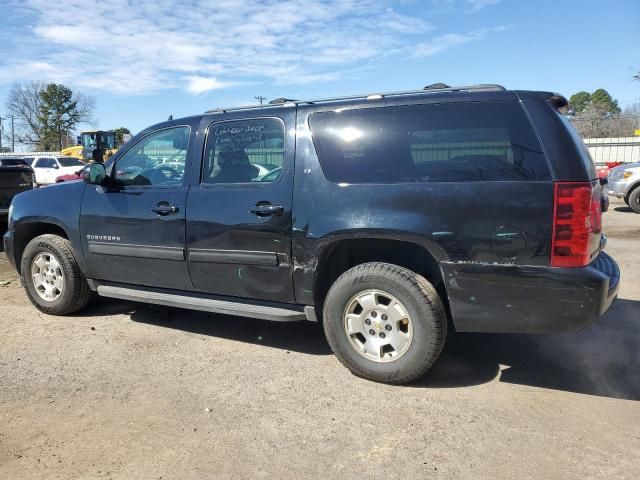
(385, 323)
(51, 276)
(634, 200)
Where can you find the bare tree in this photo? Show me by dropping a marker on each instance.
(596, 122)
(25, 103)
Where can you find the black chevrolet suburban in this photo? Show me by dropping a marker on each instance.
(387, 217)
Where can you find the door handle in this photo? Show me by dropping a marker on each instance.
(164, 208)
(264, 210)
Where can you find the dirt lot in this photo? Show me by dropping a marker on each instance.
(131, 391)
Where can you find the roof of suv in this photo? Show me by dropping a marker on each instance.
(430, 89)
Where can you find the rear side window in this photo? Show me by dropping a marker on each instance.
(579, 143)
(456, 142)
(244, 151)
(46, 163)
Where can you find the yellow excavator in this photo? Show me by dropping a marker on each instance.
(93, 146)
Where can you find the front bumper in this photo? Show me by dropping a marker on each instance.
(8, 248)
(519, 299)
(617, 188)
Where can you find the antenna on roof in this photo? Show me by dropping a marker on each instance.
(260, 98)
(170, 117)
(436, 86)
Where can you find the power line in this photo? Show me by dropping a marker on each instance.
(260, 98)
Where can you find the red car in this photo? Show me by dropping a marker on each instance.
(603, 172)
(69, 177)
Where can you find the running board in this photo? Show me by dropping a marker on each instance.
(265, 312)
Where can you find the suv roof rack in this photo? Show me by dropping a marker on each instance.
(281, 100)
(429, 89)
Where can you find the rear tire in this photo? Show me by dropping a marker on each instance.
(385, 323)
(51, 276)
(634, 200)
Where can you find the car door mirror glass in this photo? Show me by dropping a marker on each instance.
(94, 174)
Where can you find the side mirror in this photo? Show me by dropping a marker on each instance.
(604, 181)
(55, 165)
(94, 174)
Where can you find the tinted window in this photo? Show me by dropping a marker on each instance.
(29, 160)
(70, 162)
(244, 151)
(157, 159)
(455, 142)
(582, 148)
(46, 163)
(12, 162)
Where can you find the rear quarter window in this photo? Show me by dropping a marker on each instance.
(455, 142)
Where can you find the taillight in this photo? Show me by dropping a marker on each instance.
(577, 215)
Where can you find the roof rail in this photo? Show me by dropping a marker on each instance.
(428, 90)
(281, 100)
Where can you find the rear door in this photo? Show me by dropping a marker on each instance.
(239, 209)
(134, 231)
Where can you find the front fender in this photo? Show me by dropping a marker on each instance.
(52, 208)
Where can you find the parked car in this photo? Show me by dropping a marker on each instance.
(48, 168)
(392, 215)
(624, 182)
(70, 177)
(15, 176)
(603, 172)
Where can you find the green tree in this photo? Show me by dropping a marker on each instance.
(119, 133)
(58, 115)
(579, 102)
(602, 100)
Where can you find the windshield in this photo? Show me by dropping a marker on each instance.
(89, 140)
(69, 162)
(108, 140)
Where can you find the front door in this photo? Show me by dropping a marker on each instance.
(134, 231)
(239, 210)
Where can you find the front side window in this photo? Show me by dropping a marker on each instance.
(455, 142)
(157, 159)
(244, 151)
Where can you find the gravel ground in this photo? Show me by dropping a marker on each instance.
(131, 391)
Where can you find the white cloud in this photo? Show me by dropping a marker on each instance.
(444, 42)
(475, 5)
(468, 6)
(197, 84)
(150, 45)
(449, 40)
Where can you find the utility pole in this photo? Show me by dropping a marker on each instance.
(13, 143)
(260, 98)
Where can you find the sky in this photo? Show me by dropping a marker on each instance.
(143, 60)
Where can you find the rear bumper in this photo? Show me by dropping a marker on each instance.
(518, 299)
(8, 248)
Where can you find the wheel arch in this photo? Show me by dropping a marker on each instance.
(340, 255)
(27, 231)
